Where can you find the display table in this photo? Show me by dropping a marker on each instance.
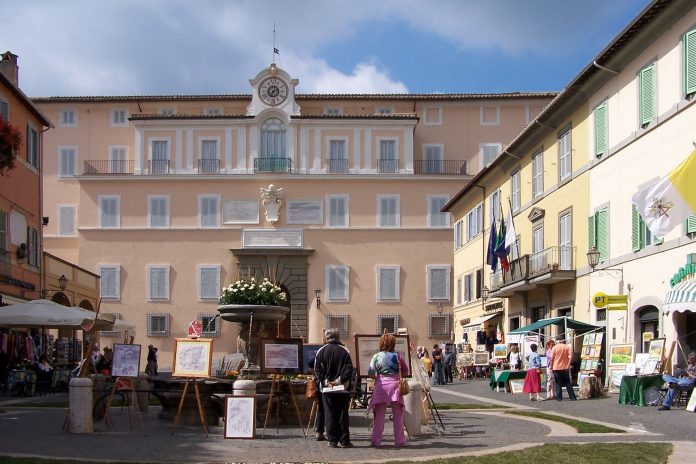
(502, 377)
(634, 387)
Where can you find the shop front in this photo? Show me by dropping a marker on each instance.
(679, 318)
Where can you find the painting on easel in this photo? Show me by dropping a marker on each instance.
(192, 357)
(126, 360)
(281, 355)
(240, 417)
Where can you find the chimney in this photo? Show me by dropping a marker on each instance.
(8, 66)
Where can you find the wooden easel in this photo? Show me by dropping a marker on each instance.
(312, 415)
(198, 400)
(128, 381)
(275, 386)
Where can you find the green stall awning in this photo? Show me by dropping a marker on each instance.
(562, 321)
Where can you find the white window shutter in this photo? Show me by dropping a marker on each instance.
(209, 282)
(438, 284)
(388, 283)
(67, 221)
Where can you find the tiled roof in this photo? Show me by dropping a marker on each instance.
(182, 116)
(300, 97)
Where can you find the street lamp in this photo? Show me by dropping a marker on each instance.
(317, 292)
(62, 282)
(485, 293)
(593, 257)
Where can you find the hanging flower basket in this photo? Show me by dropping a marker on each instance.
(10, 143)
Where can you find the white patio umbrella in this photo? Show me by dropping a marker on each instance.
(45, 313)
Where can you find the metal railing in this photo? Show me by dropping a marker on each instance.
(387, 166)
(158, 166)
(336, 166)
(208, 166)
(421, 166)
(272, 164)
(107, 167)
(555, 258)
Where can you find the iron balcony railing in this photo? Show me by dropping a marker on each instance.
(107, 167)
(272, 165)
(519, 270)
(421, 166)
(336, 166)
(387, 166)
(158, 166)
(555, 258)
(208, 166)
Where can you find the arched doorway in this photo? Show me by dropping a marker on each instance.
(84, 304)
(648, 320)
(61, 299)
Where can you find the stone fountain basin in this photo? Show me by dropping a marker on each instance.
(262, 313)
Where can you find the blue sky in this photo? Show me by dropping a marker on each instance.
(148, 47)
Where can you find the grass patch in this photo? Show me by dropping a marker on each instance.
(443, 406)
(580, 426)
(593, 453)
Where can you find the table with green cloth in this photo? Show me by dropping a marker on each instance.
(499, 378)
(639, 389)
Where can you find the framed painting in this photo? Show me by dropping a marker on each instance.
(650, 366)
(281, 355)
(126, 361)
(192, 357)
(641, 359)
(630, 369)
(598, 338)
(309, 351)
(240, 417)
(586, 339)
(614, 377)
(620, 355)
(657, 348)
(481, 359)
(500, 351)
(367, 345)
(516, 385)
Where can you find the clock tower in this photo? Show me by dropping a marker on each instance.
(273, 88)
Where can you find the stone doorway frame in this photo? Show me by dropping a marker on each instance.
(290, 268)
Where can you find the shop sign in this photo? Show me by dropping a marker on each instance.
(465, 321)
(602, 300)
(647, 336)
(687, 271)
(496, 307)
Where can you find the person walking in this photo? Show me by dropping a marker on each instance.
(151, 368)
(449, 361)
(532, 381)
(438, 368)
(550, 384)
(427, 363)
(334, 370)
(561, 355)
(387, 367)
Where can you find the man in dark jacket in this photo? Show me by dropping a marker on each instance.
(334, 369)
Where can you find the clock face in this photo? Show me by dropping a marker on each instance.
(273, 91)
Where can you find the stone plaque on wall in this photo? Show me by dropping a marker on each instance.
(305, 212)
(240, 212)
(272, 238)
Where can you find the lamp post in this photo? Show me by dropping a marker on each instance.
(485, 293)
(317, 295)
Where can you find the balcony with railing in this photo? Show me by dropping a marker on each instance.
(209, 166)
(159, 166)
(272, 165)
(387, 166)
(107, 167)
(337, 165)
(421, 166)
(552, 260)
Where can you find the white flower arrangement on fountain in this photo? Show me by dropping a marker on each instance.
(247, 291)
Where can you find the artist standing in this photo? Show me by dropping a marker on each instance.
(334, 369)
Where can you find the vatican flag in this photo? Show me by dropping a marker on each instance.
(667, 203)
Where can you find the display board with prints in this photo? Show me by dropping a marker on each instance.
(590, 352)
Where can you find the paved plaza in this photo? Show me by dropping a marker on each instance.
(36, 431)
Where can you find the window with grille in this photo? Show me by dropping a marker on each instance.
(388, 283)
(439, 326)
(209, 282)
(388, 322)
(601, 314)
(210, 323)
(338, 322)
(109, 281)
(112, 333)
(158, 324)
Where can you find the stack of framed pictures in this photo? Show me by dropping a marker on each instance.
(591, 352)
(620, 356)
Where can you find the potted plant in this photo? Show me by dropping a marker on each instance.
(10, 143)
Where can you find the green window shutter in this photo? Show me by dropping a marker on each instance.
(647, 95)
(691, 224)
(658, 240)
(591, 231)
(600, 122)
(635, 230)
(603, 234)
(690, 62)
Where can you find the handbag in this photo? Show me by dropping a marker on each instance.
(312, 390)
(404, 389)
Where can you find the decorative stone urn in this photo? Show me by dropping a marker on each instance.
(252, 318)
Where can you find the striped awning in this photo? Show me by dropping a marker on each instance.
(476, 324)
(681, 298)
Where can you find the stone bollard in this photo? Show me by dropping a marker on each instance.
(244, 388)
(414, 408)
(81, 405)
(98, 391)
(142, 385)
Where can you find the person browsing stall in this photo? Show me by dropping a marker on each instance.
(684, 382)
(387, 367)
(561, 355)
(334, 370)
